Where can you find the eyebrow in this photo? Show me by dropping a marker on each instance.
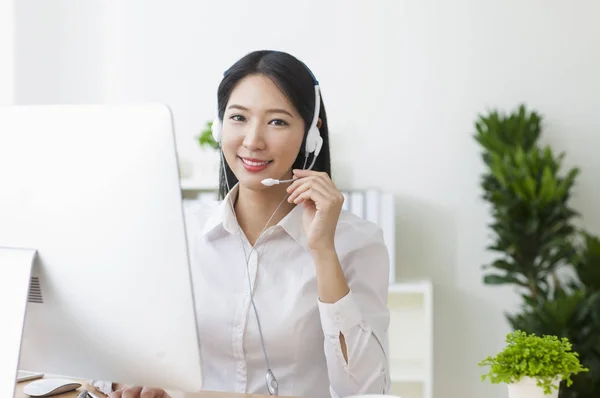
(274, 110)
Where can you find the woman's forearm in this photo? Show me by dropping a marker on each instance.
(331, 282)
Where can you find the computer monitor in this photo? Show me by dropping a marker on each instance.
(94, 192)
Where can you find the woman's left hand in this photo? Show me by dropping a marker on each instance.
(322, 203)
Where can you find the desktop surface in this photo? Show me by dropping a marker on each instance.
(203, 394)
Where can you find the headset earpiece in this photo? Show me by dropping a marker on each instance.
(317, 151)
(311, 139)
(314, 135)
(319, 146)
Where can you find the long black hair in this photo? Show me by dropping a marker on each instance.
(295, 81)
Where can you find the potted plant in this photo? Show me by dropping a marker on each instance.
(533, 366)
(207, 162)
(537, 246)
(205, 139)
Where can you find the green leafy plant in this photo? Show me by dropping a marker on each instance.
(534, 238)
(543, 358)
(529, 196)
(587, 264)
(205, 139)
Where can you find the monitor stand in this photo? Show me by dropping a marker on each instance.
(15, 274)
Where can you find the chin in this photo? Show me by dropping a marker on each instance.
(253, 184)
(251, 181)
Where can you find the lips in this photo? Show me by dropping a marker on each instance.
(255, 165)
(255, 162)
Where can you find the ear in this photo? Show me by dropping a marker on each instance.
(319, 123)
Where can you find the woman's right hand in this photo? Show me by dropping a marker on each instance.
(139, 392)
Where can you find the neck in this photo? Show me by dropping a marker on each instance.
(254, 209)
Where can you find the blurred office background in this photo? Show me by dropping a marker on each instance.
(403, 83)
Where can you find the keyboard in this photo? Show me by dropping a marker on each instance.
(23, 375)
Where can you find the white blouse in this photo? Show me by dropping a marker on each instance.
(301, 333)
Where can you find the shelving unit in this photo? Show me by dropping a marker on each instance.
(411, 339)
(196, 185)
(193, 188)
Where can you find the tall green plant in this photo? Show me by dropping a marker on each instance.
(529, 196)
(534, 236)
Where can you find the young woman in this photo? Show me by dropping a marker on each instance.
(291, 291)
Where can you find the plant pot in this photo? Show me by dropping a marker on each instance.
(528, 388)
(373, 396)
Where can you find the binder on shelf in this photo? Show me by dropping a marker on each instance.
(346, 205)
(208, 196)
(379, 208)
(387, 221)
(372, 206)
(357, 204)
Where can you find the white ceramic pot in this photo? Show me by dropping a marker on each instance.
(528, 388)
(373, 396)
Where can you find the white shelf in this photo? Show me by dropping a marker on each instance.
(198, 185)
(413, 287)
(411, 338)
(408, 371)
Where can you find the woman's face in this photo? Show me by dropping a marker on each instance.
(262, 132)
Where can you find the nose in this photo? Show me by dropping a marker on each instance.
(254, 137)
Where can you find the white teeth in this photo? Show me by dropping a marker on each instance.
(250, 163)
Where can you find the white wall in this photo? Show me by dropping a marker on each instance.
(7, 51)
(402, 81)
(59, 51)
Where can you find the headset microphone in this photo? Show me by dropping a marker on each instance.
(269, 182)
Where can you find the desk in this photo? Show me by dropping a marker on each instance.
(204, 394)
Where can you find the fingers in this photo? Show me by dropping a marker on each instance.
(132, 392)
(293, 186)
(308, 183)
(306, 173)
(315, 196)
(139, 392)
(153, 393)
(117, 393)
(303, 176)
(309, 174)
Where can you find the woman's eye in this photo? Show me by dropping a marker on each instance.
(237, 118)
(279, 122)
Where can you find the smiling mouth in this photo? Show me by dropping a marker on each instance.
(255, 162)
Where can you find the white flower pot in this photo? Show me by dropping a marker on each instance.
(373, 396)
(528, 388)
